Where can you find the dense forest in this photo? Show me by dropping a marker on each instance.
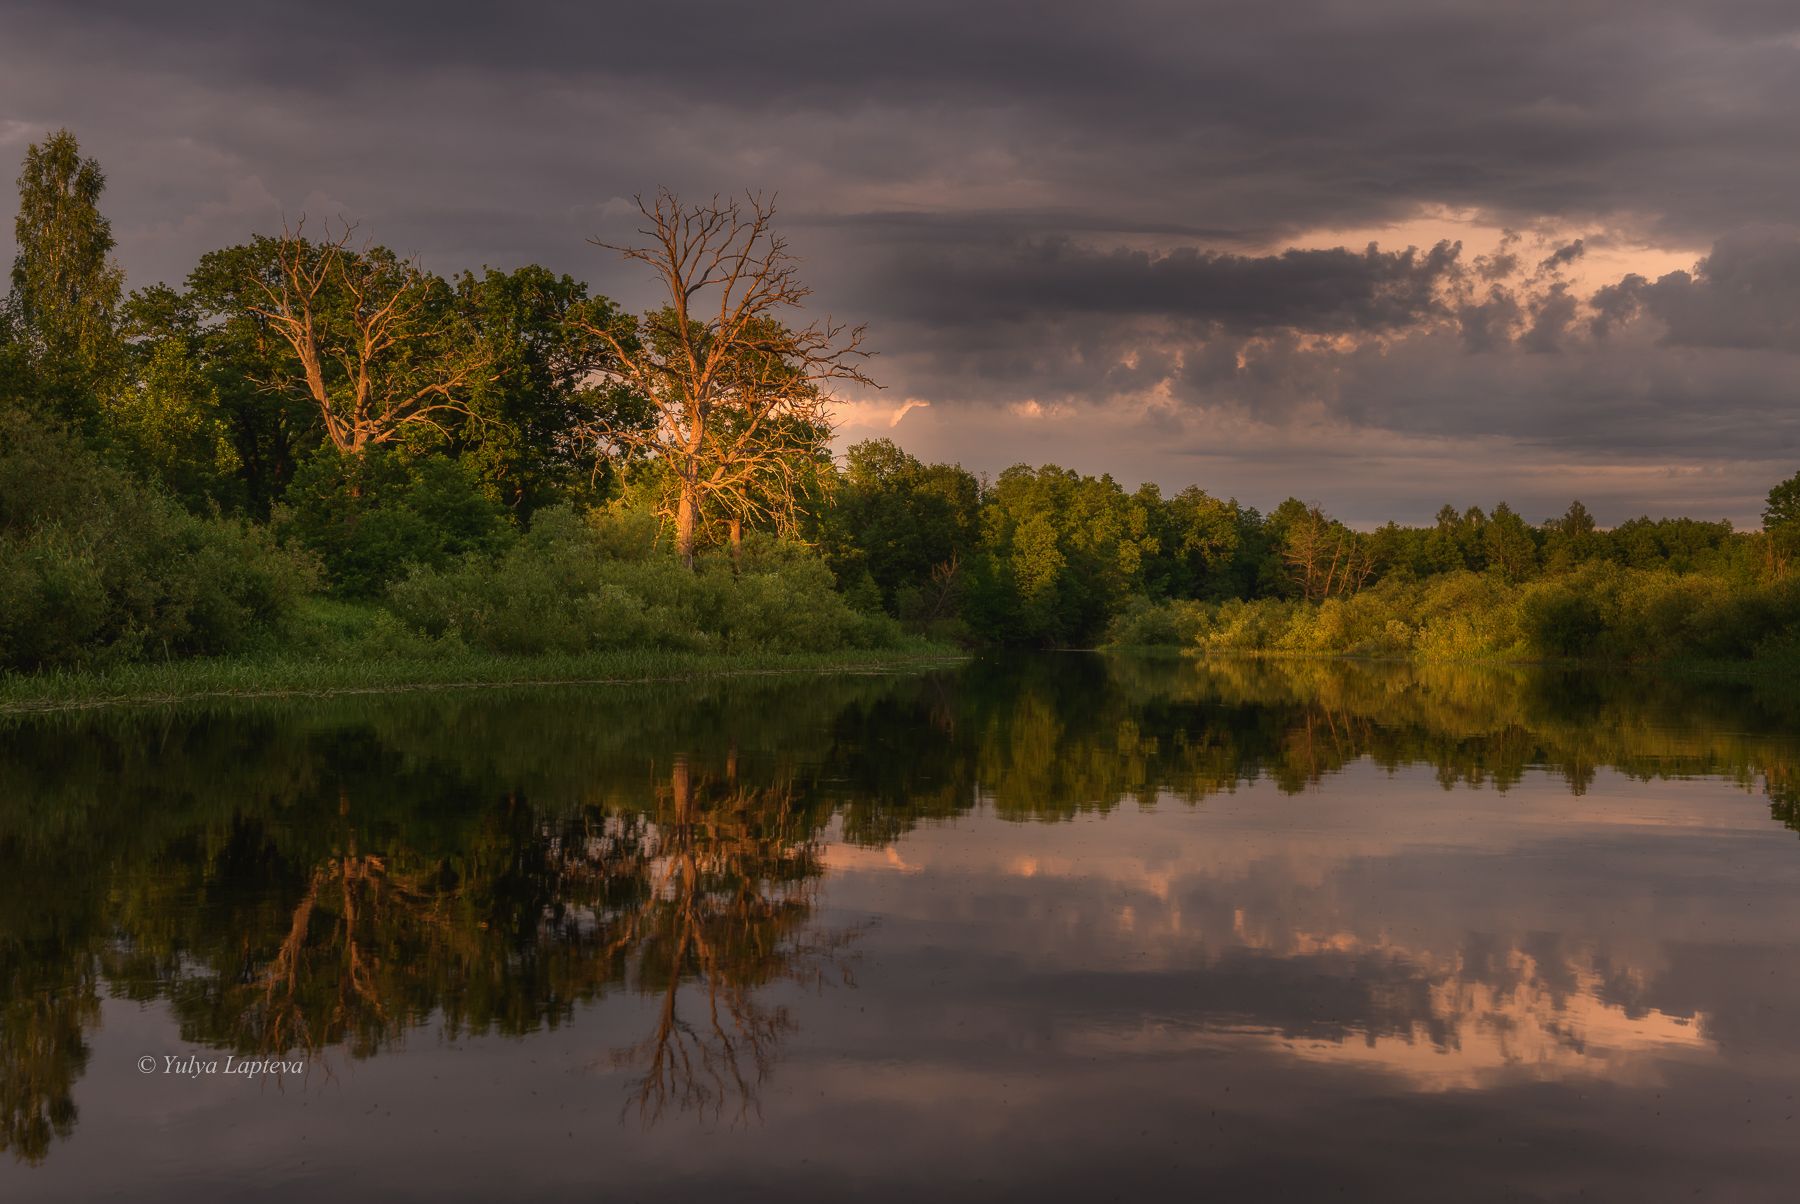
(315, 446)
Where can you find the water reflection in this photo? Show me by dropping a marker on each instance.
(731, 875)
(334, 878)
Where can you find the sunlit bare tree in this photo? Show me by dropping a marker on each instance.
(372, 334)
(739, 394)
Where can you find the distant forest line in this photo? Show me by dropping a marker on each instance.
(314, 446)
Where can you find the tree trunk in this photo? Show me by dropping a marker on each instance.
(737, 543)
(685, 514)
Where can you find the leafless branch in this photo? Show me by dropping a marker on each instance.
(729, 379)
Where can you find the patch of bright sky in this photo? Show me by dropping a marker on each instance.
(1608, 251)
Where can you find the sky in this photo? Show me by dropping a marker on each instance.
(1377, 254)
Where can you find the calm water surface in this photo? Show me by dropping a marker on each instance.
(1060, 926)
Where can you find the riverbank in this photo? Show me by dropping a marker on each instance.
(276, 676)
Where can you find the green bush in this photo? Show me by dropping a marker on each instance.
(371, 518)
(1598, 611)
(1559, 621)
(95, 569)
(1460, 616)
(577, 584)
(1147, 624)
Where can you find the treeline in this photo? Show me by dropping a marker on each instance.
(314, 445)
(1048, 556)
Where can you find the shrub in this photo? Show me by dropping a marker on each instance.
(577, 584)
(1146, 624)
(1597, 611)
(96, 569)
(1463, 615)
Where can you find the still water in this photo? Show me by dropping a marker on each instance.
(1067, 927)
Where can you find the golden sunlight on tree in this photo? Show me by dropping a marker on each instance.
(374, 335)
(1326, 558)
(740, 400)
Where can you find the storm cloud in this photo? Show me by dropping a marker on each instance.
(1212, 243)
(1332, 290)
(1744, 295)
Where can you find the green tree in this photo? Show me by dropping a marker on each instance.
(165, 414)
(522, 435)
(1443, 550)
(1063, 553)
(908, 527)
(270, 426)
(1572, 539)
(96, 569)
(1508, 546)
(1197, 538)
(1782, 508)
(65, 285)
(372, 517)
(1781, 524)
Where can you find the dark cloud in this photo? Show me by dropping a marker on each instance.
(1552, 316)
(1563, 256)
(1488, 325)
(1222, 115)
(1061, 203)
(1744, 295)
(1326, 291)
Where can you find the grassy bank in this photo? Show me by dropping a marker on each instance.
(254, 677)
(350, 649)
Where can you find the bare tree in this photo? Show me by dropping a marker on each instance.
(369, 331)
(739, 397)
(1326, 558)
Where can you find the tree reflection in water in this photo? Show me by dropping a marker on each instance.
(334, 876)
(734, 873)
(710, 886)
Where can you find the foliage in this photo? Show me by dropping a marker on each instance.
(1175, 623)
(65, 287)
(906, 529)
(401, 429)
(579, 583)
(95, 569)
(1781, 525)
(371, 518)
(269, 427)
(1783, 506)
(167, 424)
(522, 433)
(1061, 553)
(1599, 611)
